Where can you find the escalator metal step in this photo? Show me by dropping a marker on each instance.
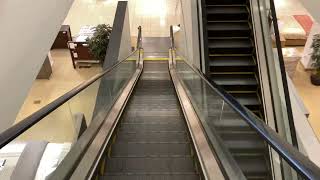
(155, 113)
(150, 165)
(225, 12)
(254, 167)
(236, 80)
(163, 176)
(152, 119)
(229, 125)
(236, 60)
(230, 46)
(228, 29)
(148, 137)
(155, 149)
(226, 2)
(248, 99)
(242, 142)
(151, 127)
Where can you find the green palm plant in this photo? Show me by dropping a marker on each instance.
(315, 57)
(98, 43)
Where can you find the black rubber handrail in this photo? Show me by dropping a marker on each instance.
(16, 130)
(296, 159)
(283, 74)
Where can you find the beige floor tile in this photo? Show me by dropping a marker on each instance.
(59, 126)
(310, 95)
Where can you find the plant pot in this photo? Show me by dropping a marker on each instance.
(315, 79)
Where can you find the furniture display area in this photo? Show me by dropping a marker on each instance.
(306, 60)
(63, 37)
(293, 31)
(79, 47)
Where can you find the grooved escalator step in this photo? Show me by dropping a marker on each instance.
(142, 149)
(150, 165)
(164, 113)
(154, 100)
(164, 176)
(225, 116)
(225, 13)
(235, 80)
(153, 76)
(248, 99)
(151, 127)
(231, 125)
(235, 60)
(181, 137)
(228, 29)
(228, 2)
(154, 83)
(242, 142)
(152, 119)
(230, 46)
(254, 167)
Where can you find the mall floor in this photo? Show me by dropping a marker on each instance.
(155, 18)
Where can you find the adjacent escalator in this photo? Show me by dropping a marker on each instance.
(152, 140)
(232, 65)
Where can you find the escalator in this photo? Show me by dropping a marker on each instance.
(152, 140)
(232, 65)
(231, 51)
(157, 120)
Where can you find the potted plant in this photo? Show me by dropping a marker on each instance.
(315, 58)
(98, 43)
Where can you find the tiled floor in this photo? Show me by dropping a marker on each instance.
(310, 95)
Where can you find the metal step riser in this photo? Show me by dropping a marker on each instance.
(226, 2)
(149, 165)
(227, 17)
(151, 127)
(150, 149)
(232, 68)
(229, 33)
(240, 87)
(158, 176)
(158, 137)
(240, 50)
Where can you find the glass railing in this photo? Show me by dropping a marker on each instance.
(272, 44)
(62, 129)
(240, 131)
